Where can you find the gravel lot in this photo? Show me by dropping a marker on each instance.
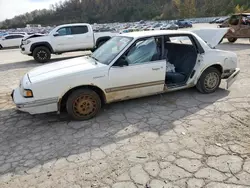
(176, 140)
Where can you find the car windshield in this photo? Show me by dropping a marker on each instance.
(109, 50)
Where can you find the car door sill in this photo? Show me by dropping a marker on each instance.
(174, 86)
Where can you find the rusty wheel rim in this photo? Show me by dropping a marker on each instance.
(84, 105)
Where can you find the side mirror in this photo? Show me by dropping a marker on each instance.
(56, 34)
(121, 62)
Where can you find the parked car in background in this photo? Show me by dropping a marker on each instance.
(128, 66)
(240, 27)
(214, 20)
(11, 40)
(63, 38)
(183, 24)
(221, 20)
(170, 26)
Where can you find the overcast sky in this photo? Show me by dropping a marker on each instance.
(11, 8)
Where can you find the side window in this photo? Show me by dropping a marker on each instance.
(17, 36)
(79, 30)
(180, 40)
(245, 20)
(12, 37)
(234, 20)
(64, 31)
(145, 50)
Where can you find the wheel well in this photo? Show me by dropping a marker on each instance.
(63, 100)
(102, 39)
(33, 47)
(218, 67)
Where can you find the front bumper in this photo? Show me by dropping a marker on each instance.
(25, 50)
(32, 105)
(232, 78)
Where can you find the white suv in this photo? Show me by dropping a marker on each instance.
(10, 40)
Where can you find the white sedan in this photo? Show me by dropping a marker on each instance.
(11, 40)
(128, 66)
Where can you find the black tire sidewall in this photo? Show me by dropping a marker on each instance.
(201, 83)
(75, 94)
(233, 39)
(46, 50)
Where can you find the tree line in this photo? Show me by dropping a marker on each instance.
(105, 11)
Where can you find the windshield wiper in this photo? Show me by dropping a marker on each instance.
(96, 60)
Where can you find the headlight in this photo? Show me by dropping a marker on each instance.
(27, 93)
(25, 42)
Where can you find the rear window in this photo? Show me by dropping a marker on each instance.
(234, 20)
(79, 30)
(181, 40)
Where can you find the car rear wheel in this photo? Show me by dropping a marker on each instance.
(41, 54)
(83, 104)
(232, 39)
(209, 81)
(1, 47)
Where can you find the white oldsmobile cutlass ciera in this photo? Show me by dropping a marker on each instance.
(128, 66)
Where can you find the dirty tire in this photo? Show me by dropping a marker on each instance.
(1, 47)
(209, 81)
(232, 39)
(83, 104)
(100, 44)
(41, 54)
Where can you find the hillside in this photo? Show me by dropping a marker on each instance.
(100, 11)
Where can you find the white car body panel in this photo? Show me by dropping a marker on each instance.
(6, 43)
(138, 75)
(49, 83)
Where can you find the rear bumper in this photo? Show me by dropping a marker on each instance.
(32, 105)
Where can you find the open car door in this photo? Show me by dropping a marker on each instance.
(139, 72)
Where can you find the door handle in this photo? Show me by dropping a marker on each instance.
(156, 69)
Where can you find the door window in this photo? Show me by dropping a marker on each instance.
(245, 20)
(76, 30)
(180, 40)
(146, 50)
(13, 37)
(64, 31)
(234, 20)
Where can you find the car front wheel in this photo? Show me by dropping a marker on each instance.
(41, 54)
(1, 47)
(209, 81)
(83, 104)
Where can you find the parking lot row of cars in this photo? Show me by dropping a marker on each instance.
(13, 39)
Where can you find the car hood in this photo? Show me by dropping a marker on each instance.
(63, 68)
(211, 36)
(34, 36)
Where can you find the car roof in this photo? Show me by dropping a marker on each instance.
(13, 34)
(73, 24)
(141, 34)
(244, 14)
